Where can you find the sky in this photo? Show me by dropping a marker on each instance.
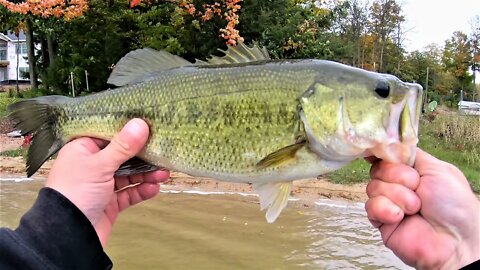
(434, 21)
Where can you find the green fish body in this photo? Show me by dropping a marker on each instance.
(240, 118)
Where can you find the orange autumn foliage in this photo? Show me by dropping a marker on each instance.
(226, 8)
(48, 8)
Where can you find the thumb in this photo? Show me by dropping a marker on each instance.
(424, 161)
(126, 144)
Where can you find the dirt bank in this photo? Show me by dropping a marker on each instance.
(310, 189)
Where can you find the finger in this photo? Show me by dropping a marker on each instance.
(136, 194)
(158, 176)
(83, 145)
(402, 196)
(381, 209)
(395, 173)
(126, 144)
(122, 182)
(100, 143)
(150, 177)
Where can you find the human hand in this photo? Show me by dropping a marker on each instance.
(84, 173)
(427, 215)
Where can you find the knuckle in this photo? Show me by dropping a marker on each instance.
(372, 188)
(121, 146)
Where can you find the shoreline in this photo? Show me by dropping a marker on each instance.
(308, 190)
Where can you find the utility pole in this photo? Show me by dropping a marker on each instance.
(86, 80)
(17, 33)
(426, 90)
(73, 85)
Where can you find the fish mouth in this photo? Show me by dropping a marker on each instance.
(396, 143)
(402, 129)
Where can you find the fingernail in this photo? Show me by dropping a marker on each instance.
(134, 125)
(136, 128)
(396, 210)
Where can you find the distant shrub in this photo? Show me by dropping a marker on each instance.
(459, 132)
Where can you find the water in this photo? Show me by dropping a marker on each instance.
(227, 231)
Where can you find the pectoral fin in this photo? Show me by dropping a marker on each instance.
(281, 156)
(274, 197)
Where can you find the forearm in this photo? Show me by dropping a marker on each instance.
(53, 234)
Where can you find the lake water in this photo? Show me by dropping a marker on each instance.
(192, 230)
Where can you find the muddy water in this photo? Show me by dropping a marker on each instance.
(198, 231)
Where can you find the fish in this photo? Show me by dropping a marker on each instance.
(241, 117)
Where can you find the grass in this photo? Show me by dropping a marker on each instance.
(455, 139)
(20, 152)
(5, 100)
(355, 172)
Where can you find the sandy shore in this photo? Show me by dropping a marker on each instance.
(307, 189)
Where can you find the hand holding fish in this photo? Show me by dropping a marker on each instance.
(427, 215)
(84, 173)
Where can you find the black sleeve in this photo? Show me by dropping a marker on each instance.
(472, 266)
(53, 234)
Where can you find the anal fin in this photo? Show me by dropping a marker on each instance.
(135, 165)
(274, 197)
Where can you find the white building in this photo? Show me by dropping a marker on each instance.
(9, 47)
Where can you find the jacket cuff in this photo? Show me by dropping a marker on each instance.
(472, 266)
(58, 231)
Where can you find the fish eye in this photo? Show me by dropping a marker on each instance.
(383, 89)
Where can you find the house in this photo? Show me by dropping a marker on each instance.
(468, 108)
(10, 45)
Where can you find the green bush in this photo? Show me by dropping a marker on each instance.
(5, 100)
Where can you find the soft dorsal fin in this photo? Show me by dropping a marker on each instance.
(238, 54)
(137, 65)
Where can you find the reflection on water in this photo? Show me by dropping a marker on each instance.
(192, 231)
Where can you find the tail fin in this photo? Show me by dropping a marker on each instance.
(39, 117)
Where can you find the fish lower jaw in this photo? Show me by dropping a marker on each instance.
(394, 152)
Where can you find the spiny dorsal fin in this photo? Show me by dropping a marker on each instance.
(273, 196)
(139, 64)
(239, 54)
(281, 156)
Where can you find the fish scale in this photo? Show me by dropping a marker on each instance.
(227, 114)
(241, 118)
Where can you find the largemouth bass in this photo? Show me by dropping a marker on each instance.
(241, 118)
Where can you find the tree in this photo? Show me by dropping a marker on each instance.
(457, 59)
(31, 10)
(352, 27)
(475, 46)
(385, 18)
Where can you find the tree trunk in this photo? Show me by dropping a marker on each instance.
(109, 3)
(17, 88)
(381, 55)
(375, 47)
(51, 49)
(45, 61)
(31, 55)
